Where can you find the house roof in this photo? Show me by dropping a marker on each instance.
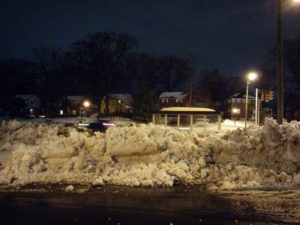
(27, 97)
(75, 98)
(179, 94)
(242, 95)
(29, 100)
(121, 96)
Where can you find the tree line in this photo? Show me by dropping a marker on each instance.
(104, 63)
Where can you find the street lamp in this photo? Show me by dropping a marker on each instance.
(235, 112)
(251, 76)
(280, 78)
(86, 104)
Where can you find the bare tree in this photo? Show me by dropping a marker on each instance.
(48, 63)
(213, 86)
(102, 57)
(174, 72)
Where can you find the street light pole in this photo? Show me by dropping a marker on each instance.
(246, 105)
(280, 80)
(251, 76)
(256, 106)
(85, 105)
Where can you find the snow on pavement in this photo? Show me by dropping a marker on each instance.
(149, 155)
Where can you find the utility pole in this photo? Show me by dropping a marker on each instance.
(246, 105)
(256, 106)
(280, 80)
(191, 90)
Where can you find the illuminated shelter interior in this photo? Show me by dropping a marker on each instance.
(186, 117)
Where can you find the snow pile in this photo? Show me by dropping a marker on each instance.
(270, 147)
(149, 155)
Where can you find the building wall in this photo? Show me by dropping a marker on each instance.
(171, 102)
(240, 103)
(115, 106)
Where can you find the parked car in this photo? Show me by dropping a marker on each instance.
(100, 125)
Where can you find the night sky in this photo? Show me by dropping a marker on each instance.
(231, 35)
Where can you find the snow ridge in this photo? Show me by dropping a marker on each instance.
(149, 155)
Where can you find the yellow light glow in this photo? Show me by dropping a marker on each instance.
(235, 111)
(86, 104)
(296, 1)
(252, 76)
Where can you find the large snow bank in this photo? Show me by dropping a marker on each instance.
(149, 155)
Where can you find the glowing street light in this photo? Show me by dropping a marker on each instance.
(251, 77)
(86, 104)
(235, 111)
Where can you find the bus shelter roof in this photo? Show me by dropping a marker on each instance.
(186, 110)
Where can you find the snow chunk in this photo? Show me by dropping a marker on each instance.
(69, 188)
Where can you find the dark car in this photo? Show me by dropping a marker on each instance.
(100, 125)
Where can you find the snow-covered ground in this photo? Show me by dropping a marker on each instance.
(150, 155)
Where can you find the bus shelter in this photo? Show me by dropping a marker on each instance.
(187, 117)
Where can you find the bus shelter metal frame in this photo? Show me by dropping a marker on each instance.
(188, 113)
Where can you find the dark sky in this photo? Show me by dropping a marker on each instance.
(231, 35)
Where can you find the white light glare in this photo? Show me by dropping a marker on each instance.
(108, 124)
(184, 128)
(235, 110)
(86, 104)
(252, 76)
(83, 124)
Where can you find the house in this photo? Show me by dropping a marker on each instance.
(117, 103)
(236, 106)
(167, 99)
(25, 105)
(75, 105)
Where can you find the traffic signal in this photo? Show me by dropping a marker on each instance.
(263, 95)
(266, 95)
(269, 95)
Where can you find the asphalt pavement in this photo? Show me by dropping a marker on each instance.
(122, 206)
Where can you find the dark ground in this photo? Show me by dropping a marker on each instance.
(123, 205)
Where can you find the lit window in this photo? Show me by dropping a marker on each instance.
(236, 111)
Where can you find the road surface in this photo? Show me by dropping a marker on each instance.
(132, 206)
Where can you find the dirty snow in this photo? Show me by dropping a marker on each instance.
(149, 155)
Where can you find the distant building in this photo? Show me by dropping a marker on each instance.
(73, 106)
(236, 106)
(117, 103)
(169, 99)
(25, 105)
